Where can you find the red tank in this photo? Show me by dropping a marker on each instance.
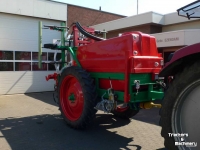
(134, 52)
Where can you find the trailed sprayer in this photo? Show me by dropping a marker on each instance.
(117, 75)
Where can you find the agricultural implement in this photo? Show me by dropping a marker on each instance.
(117, 75)
(122, 75)
(180, 110)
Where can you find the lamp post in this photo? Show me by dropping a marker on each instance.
(137, 7)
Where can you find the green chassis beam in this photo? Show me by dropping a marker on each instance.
(72, 50)
(141, 96)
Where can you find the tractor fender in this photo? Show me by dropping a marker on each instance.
(177, 58)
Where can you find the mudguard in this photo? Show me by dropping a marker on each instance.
(175, 60)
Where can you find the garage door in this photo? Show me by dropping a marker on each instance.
(18, 54)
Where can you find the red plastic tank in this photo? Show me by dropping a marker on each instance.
(134, 51)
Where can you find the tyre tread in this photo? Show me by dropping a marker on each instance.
(90, 97)
(182, 78)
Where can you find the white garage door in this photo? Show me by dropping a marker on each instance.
(18, 54)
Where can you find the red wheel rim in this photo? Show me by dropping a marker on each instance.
(71, 98)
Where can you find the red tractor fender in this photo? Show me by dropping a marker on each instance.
(177, 58)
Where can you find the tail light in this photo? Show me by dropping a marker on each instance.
(162, 62)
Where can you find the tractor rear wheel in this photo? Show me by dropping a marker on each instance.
(180, 112)
(128, 113)
(77, 97)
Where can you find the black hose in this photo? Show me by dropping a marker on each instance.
(84, 32)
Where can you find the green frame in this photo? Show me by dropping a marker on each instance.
(141, 96)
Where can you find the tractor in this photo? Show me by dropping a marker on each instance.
(117, 75)
(180, 110)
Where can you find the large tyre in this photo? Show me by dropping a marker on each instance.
(77, 97)
(129, 113)
(180, 112)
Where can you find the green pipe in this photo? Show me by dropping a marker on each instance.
(74, 56)
(63, 44)
(40, 45)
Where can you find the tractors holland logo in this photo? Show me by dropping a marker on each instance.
(182, 139)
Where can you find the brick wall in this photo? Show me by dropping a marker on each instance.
(87, 16)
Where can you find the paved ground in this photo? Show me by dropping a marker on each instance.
(33, 122)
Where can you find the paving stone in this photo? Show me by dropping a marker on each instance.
(33, 122)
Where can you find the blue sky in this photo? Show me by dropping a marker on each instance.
(129, 7)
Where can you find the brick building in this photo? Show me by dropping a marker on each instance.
(88, 16)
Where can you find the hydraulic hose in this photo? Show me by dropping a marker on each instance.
(87, 34)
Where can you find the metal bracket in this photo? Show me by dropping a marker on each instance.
(137, 85)
(162, 84)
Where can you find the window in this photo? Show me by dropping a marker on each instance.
(51, 58)
(6, 55)
(26, 61)
(35, 56)
(6, 66)
(35, 64)
(22, 55)
(22, 66)
(6, 60)
(23, 61)
(36, 68)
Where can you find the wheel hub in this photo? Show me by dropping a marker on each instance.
(71, 98)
